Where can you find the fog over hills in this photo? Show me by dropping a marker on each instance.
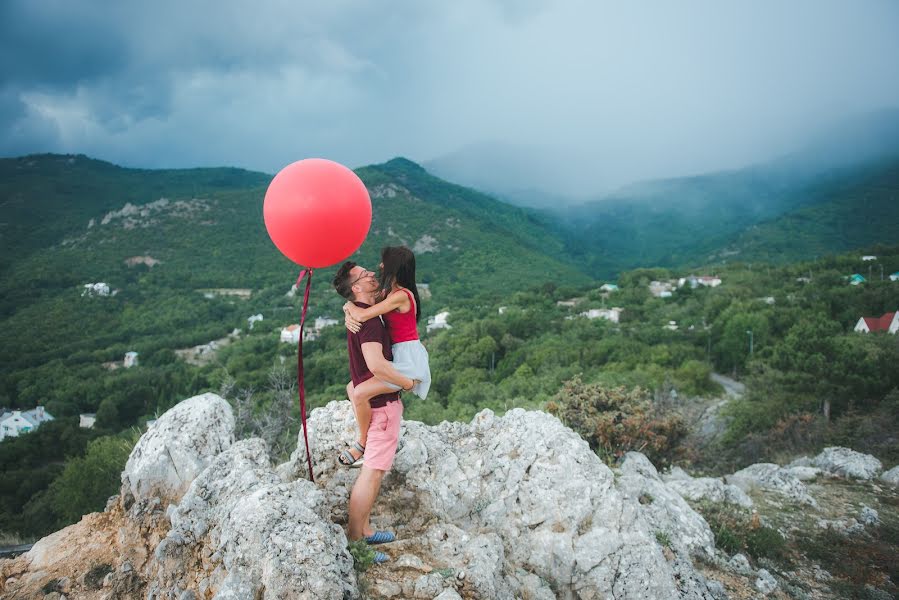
(521, 174)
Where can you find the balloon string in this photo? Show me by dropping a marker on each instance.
(300, 384)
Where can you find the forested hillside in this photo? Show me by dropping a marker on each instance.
(188, 265)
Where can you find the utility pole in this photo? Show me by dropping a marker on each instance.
(749, 332)
(881, 271)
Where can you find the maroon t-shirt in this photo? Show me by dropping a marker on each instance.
(372, 330)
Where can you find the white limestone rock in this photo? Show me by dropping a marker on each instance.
(712, 489)
(766, 584)
(182, 442)
(891, 477)
(664, 507)
(869, 517)
(252, 532)
(519, 494)
(739, 564)
(843, 462)
(803, 473)
(772, 477)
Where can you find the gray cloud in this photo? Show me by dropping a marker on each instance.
(595, 94)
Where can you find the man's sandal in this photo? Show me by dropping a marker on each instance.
(380, 537)
(379, 558)
(346, 457)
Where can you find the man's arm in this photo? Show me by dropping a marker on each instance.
(382, 368)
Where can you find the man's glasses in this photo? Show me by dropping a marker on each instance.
(363, 276)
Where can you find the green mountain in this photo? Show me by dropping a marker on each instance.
(858, 211)
(163, 243)
(695, 220)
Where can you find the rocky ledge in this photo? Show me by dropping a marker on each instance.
(503, 507)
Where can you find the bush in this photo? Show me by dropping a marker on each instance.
(616, 420)
(735, 531)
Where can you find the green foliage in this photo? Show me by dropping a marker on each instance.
(87, 482)
(663, 538)
(735, 531)
(363, 555)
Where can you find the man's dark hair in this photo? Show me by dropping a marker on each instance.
(341, 281)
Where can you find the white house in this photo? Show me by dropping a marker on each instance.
(868, 257)
(130, 359)
(702, 280)
(569, 303)
(888, 322)
(95, 289)
(16, 422)
(438, 321)
(87, 420)
(894, 276)
(672, 325)
(322, 322)
(291, 334)
(610, 314)
(661, 289)
(503, 309)
(608, 287)
(253, 319)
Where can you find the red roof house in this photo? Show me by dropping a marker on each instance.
(888, 322)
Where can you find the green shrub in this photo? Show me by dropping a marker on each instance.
(616, 420)
(363, 555)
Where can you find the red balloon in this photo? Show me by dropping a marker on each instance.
(317, 212)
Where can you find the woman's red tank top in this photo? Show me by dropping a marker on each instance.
(402, 326)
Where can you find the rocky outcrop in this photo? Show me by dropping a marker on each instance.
(502, 507)
(712, 489)
(251, 533)
(523, 504)
(843, 462)
(181, 443)
(772, 477)
(891, 477)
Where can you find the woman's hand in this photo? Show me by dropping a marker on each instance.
(349, 322)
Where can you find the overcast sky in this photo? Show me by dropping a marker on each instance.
(597, 93)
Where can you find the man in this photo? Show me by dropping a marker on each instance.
(370, 356)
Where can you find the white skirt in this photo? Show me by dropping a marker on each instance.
(411, 359)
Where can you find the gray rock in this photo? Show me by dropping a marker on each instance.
(410, 561)
(522, 492)
(766, 584)
(803, 473)
(772, 477)
(802, 461)
(428, 586)
(718, 591)
(844, 462)
(869, 517)
(891, 477)
(705, 488)
(448, 594)
(663, 507)
(268, 534)
(388, 589)
(739, 564)
(180, 445)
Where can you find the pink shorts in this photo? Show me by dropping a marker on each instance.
(383, 436)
